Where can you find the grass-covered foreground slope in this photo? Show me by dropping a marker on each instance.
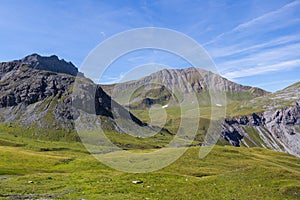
(56, 170)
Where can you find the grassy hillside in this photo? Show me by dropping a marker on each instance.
(39, 169)
(279, 99)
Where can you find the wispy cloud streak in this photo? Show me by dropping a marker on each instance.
(263, 69)
(258, 20)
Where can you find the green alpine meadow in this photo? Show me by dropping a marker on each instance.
(150, 100)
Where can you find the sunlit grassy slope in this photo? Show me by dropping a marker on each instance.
(282, 98)
(57, 170)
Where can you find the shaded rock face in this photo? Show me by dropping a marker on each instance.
(29, 86)
(32, 96)
(275, 129)
(29, 96)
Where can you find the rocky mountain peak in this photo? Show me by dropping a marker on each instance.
(40, 93)
(197, 78)
(50, 63)
(47, 63)
(188, 80)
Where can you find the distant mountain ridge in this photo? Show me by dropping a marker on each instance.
(37, 100)
(264, 119)
(272, 101)
(188, 80)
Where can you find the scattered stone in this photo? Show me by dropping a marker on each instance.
(148, 186)
(3, 178)
(30, 181)
(137, 182)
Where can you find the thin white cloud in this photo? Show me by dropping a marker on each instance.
(289, 81)
(262, 58)
(245, 56)
(246, 47)
(102, 33)
(263, 69)
(109, 79)
(265, 18)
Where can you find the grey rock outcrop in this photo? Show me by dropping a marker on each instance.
(35, 61)
(277, 129)
(38, 92)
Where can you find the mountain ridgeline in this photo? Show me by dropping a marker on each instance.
(158, 88)
(255, 117)
(36, 96)
(274, 125)
(38, 100)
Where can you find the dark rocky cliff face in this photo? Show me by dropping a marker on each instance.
(51, 63)
(277, 129)
(38, 92)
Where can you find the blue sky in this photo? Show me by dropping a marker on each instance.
(252, 42)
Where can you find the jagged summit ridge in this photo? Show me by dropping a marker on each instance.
(48, 63)
(197, 78)
(188, 80)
